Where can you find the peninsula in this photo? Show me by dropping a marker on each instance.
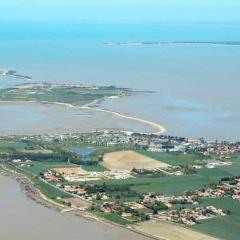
(73, 96)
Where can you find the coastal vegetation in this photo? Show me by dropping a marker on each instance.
(77, 95)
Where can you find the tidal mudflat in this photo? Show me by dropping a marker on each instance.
(36, 118)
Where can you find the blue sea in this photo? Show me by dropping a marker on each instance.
(195, 86)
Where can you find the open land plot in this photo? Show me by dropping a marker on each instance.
(127, 160)
(70, 170)
(78, 202)
(37, 151)
(165, 230)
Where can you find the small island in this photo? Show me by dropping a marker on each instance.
(76, 95)
(14, 74)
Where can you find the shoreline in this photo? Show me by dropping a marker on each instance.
(33, 193)
(30, 191)
(157, 126)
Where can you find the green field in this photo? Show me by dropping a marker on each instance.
(94, 168)
(226, 227)
(12, 144)
(42, 166)
(174, 159)
(113, 217)
(168, 185)
(217, 173)
(50, 191)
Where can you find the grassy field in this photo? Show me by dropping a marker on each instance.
(94, 168)
(41, 166)
(168, 185)
(226, 227)
(113, 217)
(171, 185)
(217, 173)
(50, 191)
(174, 159)
(12, 144)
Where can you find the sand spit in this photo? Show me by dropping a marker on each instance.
(158, 127)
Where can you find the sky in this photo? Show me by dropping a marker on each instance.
(148, 11)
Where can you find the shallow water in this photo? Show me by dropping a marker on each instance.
(197, 85)
(35, 118)
(84, 152)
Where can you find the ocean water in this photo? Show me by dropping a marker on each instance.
(196, 86)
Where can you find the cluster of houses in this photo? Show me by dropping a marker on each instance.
(222, 189)
(191, 216)
(168, 200)
(222, 150)
(184, 215)
(51, 176)
(23, 163)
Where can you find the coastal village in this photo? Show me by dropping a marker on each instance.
(104, 182)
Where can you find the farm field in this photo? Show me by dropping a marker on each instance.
(94, 168)
(127, 160)
(12, 144)
(168, 185)
(174, 159)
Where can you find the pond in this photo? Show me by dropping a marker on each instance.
(85, 152)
